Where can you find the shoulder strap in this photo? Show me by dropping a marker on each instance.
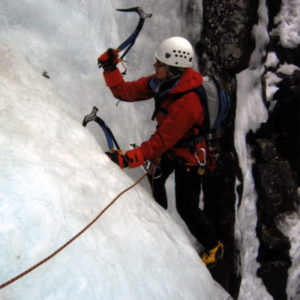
(200, 91)
(202, 96)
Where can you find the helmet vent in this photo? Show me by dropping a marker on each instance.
(167, 55)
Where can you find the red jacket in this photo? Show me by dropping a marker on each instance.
(181, 114)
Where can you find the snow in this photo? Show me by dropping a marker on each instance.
(271, 60)
(288, 23)
(250, 112)
(261, 36)
(54, 180)
(55, 177)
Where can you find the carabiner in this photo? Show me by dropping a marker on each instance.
(202, 165)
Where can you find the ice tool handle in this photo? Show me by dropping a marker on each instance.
(107, 132)
(129, 42)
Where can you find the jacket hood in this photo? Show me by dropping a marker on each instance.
(189, 80)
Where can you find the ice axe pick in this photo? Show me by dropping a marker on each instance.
(129, 42)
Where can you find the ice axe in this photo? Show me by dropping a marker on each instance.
(129, 42)
(108, 133)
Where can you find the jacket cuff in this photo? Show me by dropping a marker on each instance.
(135, 158)
(113, 78)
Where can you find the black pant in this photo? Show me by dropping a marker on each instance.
(187, 191)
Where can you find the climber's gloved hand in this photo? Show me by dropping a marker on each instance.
(108, 60)
(118, 158)
(132, 158)
(135, 158)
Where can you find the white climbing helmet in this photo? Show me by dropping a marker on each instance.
(175, 51)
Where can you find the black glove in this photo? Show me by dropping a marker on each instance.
(108, 60)
(120, 159)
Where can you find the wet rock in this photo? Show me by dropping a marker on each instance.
(277, 194)
(226, 43)
(265, 151)
(272, 275)
(273, 240)
(275, 184)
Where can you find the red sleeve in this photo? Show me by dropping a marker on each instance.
(182, 115)
(129, 91)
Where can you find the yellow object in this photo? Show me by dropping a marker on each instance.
(211, 258)
(201, 171)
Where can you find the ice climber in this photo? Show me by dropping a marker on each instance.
(177, 143)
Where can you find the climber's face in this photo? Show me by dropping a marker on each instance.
(160, 70)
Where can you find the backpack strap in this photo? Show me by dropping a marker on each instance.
(200, 91)
(158, 100)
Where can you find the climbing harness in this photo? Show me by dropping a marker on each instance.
(129, 42)
(154, 165)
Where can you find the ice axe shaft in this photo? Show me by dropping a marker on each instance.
(131, 39)
(129, 42)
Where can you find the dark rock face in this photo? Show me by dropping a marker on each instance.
(283, 126)
(224, 50)
(276, 194)
(271, 272)
(277, 186)
(226, 41)
(276, 173)
(273, 10)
